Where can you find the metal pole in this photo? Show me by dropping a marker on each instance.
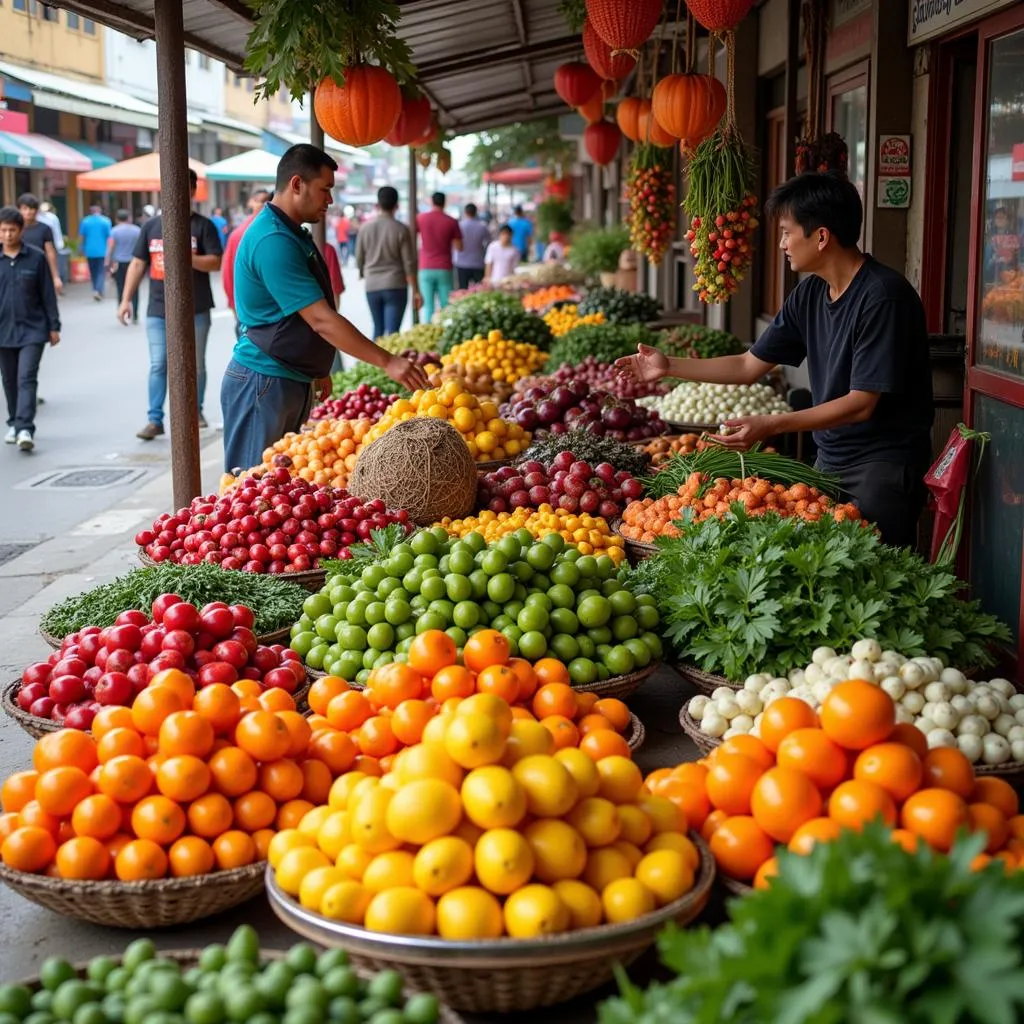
(177, 209)
(414, 203)
(316, 137)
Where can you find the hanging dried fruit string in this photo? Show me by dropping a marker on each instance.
(817, 150)
(720, 199)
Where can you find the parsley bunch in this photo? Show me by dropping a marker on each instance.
(749, 594)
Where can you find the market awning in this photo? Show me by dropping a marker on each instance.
(38, 151)
(232, 131)
(516, 176)
(96, 156)
(256, 165)
(139, 174)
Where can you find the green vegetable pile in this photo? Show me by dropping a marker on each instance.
(749, 594)
(364, 373)
(695, 341)
(620, 306)
(605, 342)
(422, 338)
(857, 931)
(275, 600)
(591, 448)
(492, 311)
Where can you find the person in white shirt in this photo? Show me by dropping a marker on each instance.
(502, 257)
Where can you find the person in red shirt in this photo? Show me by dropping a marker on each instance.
(257, 201)
(439, 235)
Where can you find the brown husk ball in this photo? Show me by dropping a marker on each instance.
(421, 465)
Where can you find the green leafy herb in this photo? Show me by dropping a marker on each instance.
(422, 338)
(575, 14)
(597, 250)
(364, 373)
(482, 312)
(695, 341)
(381, 543)
(605, 342)
(620, 306)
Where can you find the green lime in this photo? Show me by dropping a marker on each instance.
(16, 1000)
(425, 562)
(369, 658)
(509, 547)
(458, 587)
(117, 979)
(442, 565)
(461, 560)
(348, 665)
(405, 630)
(444, 608)
(582, 671)
(619, 660)
(359, 587)
(647, 617)
(502, 621)
(330, 959)
(170, 991)
(341, 592)
(308, 991)
(381, 637)
(532, 617)
(139, 1010)
(341, 981)
(563, 620)
(561, 596)
(466, 614)
(325, 626)
(433, 589)
(653, 643)
(351, 638)
(587, 565)
(602, 673)
(374, 613)
(71, 995)
(430, 620)
(623, 602)
(492, 610)
(54, 972)
(609, 587)
(513, 608)
(501, 587)
(388, 1016)
(114, 1007)
(403, 645)
(399, 563)
(304, 1015)
(624, 627)
(397, 611)
(418, 604)
(588, 649)
(571, 553)
(602, 652)
(304, 642)
(540, 582)
(593, 612)
(494, 562)
(355, 613)
(372, 575)
(317, 604)
(585, 592)
(641, 655)
(343, 1010)
(388, 586)
(513, 634)
(565, 573)
(423, 542)
(564, 647)
(540, 556)
(606, 568)
(412, 579)
(387, 985)
(243, 946)
(478, 581)
(458, 635)
(422, 1008)
(533, 645)
(524, 537)
(204, 1008)
(474, 541)
(555, 541)
(40, 1017)
(522, 571)
(242, 1003)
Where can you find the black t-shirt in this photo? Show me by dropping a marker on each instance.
(150, 247)
(37, 234)
(872, 338)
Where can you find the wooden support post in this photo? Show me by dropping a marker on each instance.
(316, 137)
(414, 202)
(792, 116)
(177, 240)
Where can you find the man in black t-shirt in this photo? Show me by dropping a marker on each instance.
(149, 256)
(861, 327)
(40, 235)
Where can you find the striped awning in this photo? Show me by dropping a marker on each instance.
(39, 152)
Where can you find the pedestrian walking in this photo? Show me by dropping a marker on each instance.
(120, 248)
(257, 201)
(386, 258)
(439, 236)
(149, 256)
(220, 222)
(290, 330)
(49, 217)
(93, 234)
(502, 256)
(470, 260)
(522, 232)
(28, 321)
(36, 232)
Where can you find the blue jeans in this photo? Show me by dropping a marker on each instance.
(434, 283)
(258, 411)
(156, 332)
(19, 368)
(98, 273)
(387, 307)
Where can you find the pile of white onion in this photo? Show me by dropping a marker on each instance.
(984, 719)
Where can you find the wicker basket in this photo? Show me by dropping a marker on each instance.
(162, 903)
(273, 637)
(501, 975)
(1010, 771)
(701, 740)
(34, 726)
(620, 686)
(311, 579)
(706, 682)
(637, 733)
(636, 550)
(734, 886)
(487, 467)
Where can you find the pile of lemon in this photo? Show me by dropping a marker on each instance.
(473, 835)
(563, 319)
(504, 359)
(487, 435)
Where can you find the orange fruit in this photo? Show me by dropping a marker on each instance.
(585, 701)
(119, 741)
(563, 730)
(176, 681)
(28, 848)
(263, 736)
(998, 792)
(254, 811)
(220, 706)
(783, 716)
(410, 719)
(246, 688)
(115, 844)
(59, 790)
(335, 749)
(740, 846)
(605, 743)
(97, 816)
(190, 855)
(83, 857)
(376, 737)
(910, 842)
(751, 746)
(528, 681)
(452, 681)
(299, 733)
(893, 766)
(17, 790)
(390, 684)
(183, 778)
(323, 691)
(281, 780)
(857, 714)
(550, 670)
(1016, 824)
(487, 647)
(948, 768)
(112, 717)
(289, 814)
(276, 699)
(367, 765)
(555, 698)
(210, 815)
(262, 838)
(731, 780)
(317, 779)
(936, 815)
(910, 736)
(810, 751)
(34, 816)
(65, 748)
(766, 872)
(782, 800)
(348, 710)
(588, 723)
(692, 800)
(233, 771)
(140, 860)
(615, 711)
(990, 820)
(711, 824)
(817, 830)
(499, 680)
(431, 651)
(854, 803)
(153, 705)
(9, 821)
(159, 819)
(234, 850)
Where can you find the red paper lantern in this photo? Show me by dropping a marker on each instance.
(412, 122)
(599, 56)
(719, 15)
(626, 116)
(432, 132)
(363, 110)
(576, 82)
(602, 142)
(689, 107)
(558, 188)
(624, 24)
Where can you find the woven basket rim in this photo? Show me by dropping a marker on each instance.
(261, 638)
(492, 464)
(637, 733)
(702, 679)
(701, 740)
(23, 718)
(642, 547)
(735, 886)
(304, 577)
(637, 675)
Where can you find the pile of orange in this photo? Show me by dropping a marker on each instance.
(184, 782)
(811, 775)
(324, 455)
(401, 698)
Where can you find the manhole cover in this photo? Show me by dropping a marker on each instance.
(88, 478)
(8, 552)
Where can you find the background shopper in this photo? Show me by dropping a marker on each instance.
(120, 248)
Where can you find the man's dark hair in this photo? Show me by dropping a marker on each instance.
(11, 215)
(505, 228)
(29, 200)
(517, 210)
(438, 200)
(123, 216)
(815, 200)
(193, 179)
(387, 199)
(303, 160)
(470, 209)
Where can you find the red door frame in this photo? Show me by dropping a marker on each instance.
(979, 379)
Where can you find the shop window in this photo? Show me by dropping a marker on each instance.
(20, 5)
(999, 343)
(73, 22)
(847, 114)
(89, 26)
(50, 13)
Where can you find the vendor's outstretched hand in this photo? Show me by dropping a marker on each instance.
(646, 366)
(746, 431)
(408, 374)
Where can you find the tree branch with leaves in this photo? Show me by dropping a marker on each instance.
(525, 142)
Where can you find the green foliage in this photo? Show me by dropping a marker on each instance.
(525, 142)
(364, 373)
(605, 342)
(296, 44)
(491, 311)
(695, 341)
(574, 12)
(750, 594)
(422, 338)
(858, 931)
(620, 306)
(554, 215)
(597, 250)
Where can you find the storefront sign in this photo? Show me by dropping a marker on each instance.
(929, 18)
(13, 121)
(894, 171)
(1017, 162)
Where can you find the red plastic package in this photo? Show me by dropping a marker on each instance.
(947, 480)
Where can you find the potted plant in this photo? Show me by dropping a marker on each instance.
(596, 252)
(554, 215)
(77, 262)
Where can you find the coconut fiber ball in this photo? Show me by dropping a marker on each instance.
(422, 465)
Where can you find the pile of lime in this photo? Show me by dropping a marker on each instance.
(546, 597)
(230, 983)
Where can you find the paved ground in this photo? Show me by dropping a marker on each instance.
(94, 385)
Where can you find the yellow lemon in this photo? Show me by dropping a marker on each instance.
(423, 810)
(361, 788)
(346, 901)
(558, 850)
(581, 768)
(503, 861)
(633, 853)
(341, 790)
(527, 738)
(469, 831)
(285, 840)
(428, 760)
(664, 815)
(388, 871)
(605, 865)
(666, 874)
(492, 798)
(334, 834)
(316, 883)
(535, 910)
(596, 820)
(488, 410)
(437, 411)
(312, 820)
(474, 740)
(402, 911)
(354, 861)
(636, 827)
(293, 867)
(443, 864)
(582, 902)
(368, 822)
(491, 706)
(464, 419)
(469, 913)
(626, 899)
(679, 843)
(551, 791)
(620, 779)
(434, 732)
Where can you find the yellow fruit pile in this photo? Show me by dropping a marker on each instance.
(462, 841)
(504, 359)
(474, 378)
(591, 534)
(564, 318)
(485, 433)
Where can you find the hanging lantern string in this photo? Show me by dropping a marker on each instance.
(657, 48)
(730, 75)
(675, 37)
(691, 42)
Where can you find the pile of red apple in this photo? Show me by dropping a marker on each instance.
(366, 402)
(602, 377)
(567, 482)
(273, 523)
(98, 667)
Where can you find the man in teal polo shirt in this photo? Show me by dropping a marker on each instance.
(289, 328)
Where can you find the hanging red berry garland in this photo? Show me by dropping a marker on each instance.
(651, 192)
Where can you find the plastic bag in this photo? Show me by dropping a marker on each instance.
(947, 481)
